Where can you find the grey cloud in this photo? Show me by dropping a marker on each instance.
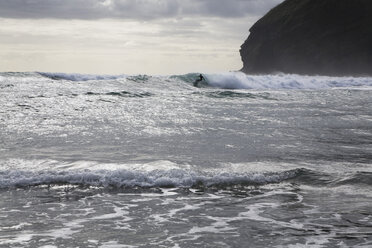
(131, 9)
(235, 8)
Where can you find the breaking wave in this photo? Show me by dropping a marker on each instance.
(233, 80)
(238, 80)
(136, 178)
(27, 173)
(79, 77)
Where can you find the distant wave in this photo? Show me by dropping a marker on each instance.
(123, 94)
(79, 77)
(133, 178)
(233, 80)
(238, 80)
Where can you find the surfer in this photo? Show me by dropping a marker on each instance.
(201, 78)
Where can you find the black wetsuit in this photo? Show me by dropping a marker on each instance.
(201, 78)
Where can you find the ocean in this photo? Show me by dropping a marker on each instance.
(152, 161)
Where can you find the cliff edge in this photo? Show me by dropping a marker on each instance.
(314, 37)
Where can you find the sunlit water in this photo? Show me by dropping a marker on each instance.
(151, 161)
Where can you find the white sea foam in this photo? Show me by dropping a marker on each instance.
(238, 80)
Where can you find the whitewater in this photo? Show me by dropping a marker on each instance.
(152, 161)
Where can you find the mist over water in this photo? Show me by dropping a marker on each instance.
(141, 161)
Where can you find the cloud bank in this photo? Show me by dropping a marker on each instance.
(131, 9)
(126, 36)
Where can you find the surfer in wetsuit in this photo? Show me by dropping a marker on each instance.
(201, 78)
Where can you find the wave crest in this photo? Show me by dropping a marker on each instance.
(79, 77)
(239, 80)
(128, 178)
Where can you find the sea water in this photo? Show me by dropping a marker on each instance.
(151, 161)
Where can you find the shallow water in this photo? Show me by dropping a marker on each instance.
(151, 161)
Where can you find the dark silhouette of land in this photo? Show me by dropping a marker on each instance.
(323, 37)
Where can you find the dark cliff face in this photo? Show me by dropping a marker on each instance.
(323, 37)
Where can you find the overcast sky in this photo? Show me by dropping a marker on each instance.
(126, 36)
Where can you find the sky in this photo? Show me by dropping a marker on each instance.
(126, 36)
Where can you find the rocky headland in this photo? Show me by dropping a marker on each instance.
(314, 37)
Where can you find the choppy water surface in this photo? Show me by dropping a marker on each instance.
(151, 161)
